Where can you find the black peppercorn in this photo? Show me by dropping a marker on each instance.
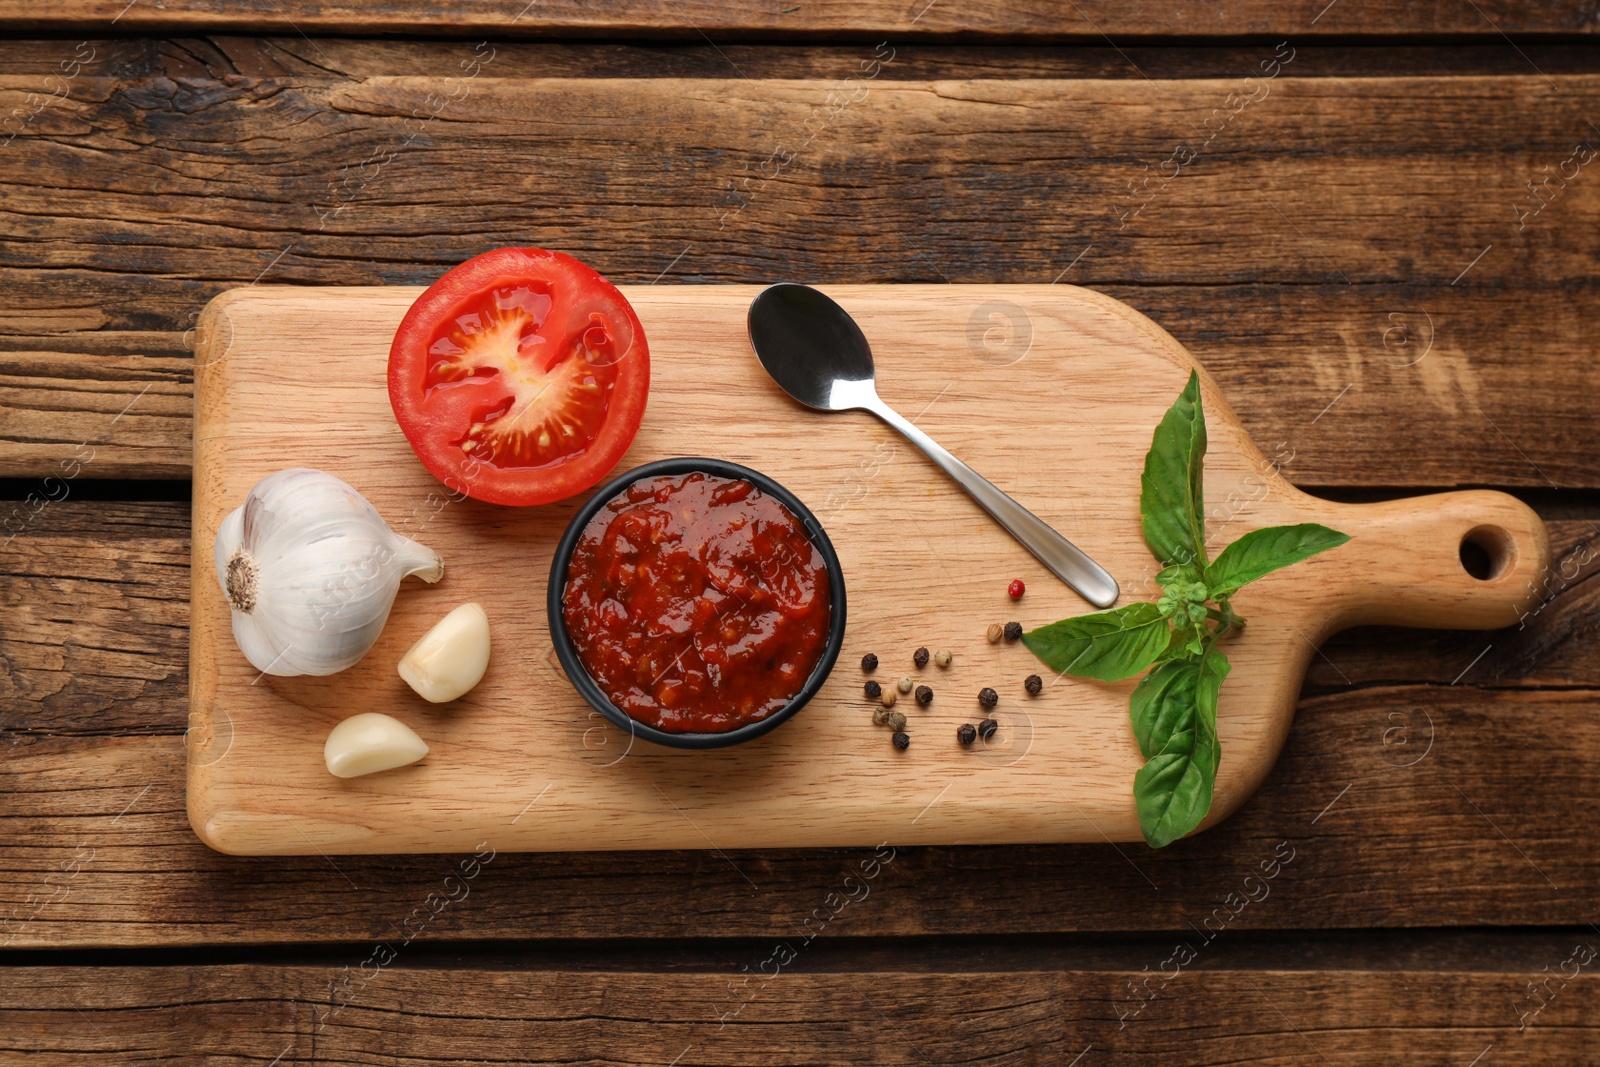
(869, 662)
(920, 657)
(1033, 684)
(988, 697)
(1013, 631)
(902, 740)
(874, 690)
(966, 734)
(924, 695)
(986, 728)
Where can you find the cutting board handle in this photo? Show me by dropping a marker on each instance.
(1469, 560)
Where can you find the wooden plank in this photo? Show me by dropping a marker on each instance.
(99, 851)
(1406, 803)
(94, 616)
(63, 399)
(95, 601)
(1047, 1012)
(71, 415)
(1012, 20)
(220, 56)
(82, 579)
(1294, 255)
(943, 134)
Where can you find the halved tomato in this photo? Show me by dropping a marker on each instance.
(519, 377)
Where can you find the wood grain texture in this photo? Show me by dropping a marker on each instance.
(72, 415)
(1407, 806)
(923, 566)
(1320, 229)
(94, 619)
(93, 611)
(220, 56)
(1455, 765)
(1012, 20)
(93, 631)
(1287, 1015)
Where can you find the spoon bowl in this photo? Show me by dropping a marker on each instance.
(809, 345)
(818, 355)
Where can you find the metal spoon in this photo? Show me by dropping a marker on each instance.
(816, 352)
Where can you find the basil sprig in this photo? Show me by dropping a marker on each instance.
(1174, 707)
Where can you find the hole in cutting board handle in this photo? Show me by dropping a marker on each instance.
(1487, 552)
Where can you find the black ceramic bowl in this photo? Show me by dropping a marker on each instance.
(579, 675)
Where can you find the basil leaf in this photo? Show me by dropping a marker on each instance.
(1170, 499)
(1163, 705)
(1108, 645)
(1261, 552)
(1171, 698)
(1173, 790)
(1174, 714)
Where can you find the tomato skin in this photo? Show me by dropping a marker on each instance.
(577, 308)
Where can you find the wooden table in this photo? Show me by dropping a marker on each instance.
(1341, 226)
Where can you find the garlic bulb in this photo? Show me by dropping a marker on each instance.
(310, 570)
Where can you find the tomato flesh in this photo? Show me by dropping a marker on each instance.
(520, 377)
(533, 400)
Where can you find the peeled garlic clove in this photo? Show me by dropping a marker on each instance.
(371, 742)
(450, 658)
(310, 570)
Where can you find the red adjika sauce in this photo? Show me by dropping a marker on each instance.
(697, 603)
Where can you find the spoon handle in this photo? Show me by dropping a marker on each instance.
(1064, 559)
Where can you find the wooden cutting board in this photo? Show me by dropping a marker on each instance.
(1050, 391)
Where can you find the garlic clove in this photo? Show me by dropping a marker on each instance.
(371, 742)
(310, 571)
(449, 659)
